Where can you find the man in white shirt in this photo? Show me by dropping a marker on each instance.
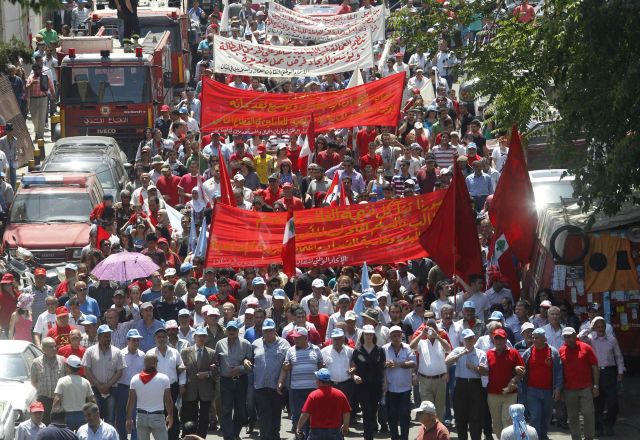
(419, 60)
(134, 361)
(151, 393)
(343, 307)
(46, 320)
(553, 330)
(318, 288)
(337, 359)
(432, 369)
(95, 428)
(473, 293)
(169, 363)
(401, 66)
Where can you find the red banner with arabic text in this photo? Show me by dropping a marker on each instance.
(229, 110)
(380, 232)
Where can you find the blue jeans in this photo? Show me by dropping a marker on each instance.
(296, 402)
(151, 424)
(75, 419)
(451, 385)
(107, 405)
(122, 395)
(398, 410)
(540, 406)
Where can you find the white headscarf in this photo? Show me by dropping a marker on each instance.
(516, 412)
(199, 204)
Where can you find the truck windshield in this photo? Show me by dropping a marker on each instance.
(47, 207)
(105, 85)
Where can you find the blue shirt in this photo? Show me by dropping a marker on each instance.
(148, 333)
(150, 295)
(104, 432)
(267, 362)
(88, 307)
(251, 334)
(479, 185)
(476, 357)
(207, 291)
(304, 364)
(399, 379)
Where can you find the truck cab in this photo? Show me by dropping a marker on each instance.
(50, 215)
(105, 91)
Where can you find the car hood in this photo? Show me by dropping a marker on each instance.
(21, 393)
(48, 235)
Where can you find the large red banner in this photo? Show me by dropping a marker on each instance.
(229, 110)
(380, 232)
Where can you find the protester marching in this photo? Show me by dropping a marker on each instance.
(316, 228)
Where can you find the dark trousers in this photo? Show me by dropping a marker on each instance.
(47, 402)
(368, 395)
(398, 411)
(469, 408)
(107, 405)
(174, 431)
(122, 395)
(233, 394)
(608, 398)
(347, 387)
(451, 385)
(197, 411)
(131, 27)
(269, 409)
(325, 434)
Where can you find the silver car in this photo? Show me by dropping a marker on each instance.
(16, 358)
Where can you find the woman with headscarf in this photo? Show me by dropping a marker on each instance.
(21, 320)
(519, 430)
(196, 205)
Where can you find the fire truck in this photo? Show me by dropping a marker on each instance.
(156, 16)
(107, 91)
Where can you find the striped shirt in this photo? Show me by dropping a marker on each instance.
(304, 363)
(444, 156)
(46, 372)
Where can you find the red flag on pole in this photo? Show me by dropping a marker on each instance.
(308, 146)
(289, 247)
(502, 264)
(452, 238)
(513, 209)
(226, 191)
(331, 197)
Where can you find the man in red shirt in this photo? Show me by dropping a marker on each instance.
(543, 382)
(73, 347)
(365, 137)
(223, 295)
(581, 382)
(320, 320)
(167, 184)
(60, 332)
(371, 158)
(272, 192)
(288, 199)
(428, 175)
(236, 158)
(524, 13)
(329, 157)
(505, 370)
(327, 408)
(430, 427)
(189, 181)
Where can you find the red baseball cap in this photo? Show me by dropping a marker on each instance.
(262, 147)
(61, 311)
(36, 407)
(164, 108)
(500, 333)
(162, 240)
(40, 271)
(7, 278)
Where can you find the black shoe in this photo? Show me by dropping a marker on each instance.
(213, 427)
(250, 428)
(384, 428)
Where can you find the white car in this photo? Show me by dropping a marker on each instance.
(549, 186)
(8, 420)
(16, 358)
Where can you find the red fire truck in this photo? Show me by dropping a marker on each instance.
(107, 92)
(156, 17)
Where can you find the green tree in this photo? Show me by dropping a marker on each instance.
(38, 5)
(579, 59)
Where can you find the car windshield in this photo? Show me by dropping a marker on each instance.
(551, 192)
(12, 366)
(102, 85)
(100, 168)
(62, 207)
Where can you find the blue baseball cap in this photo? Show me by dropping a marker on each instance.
(469, 305)
(200, 331)
(539, 332)
(185, 267)
(89, 320)
(278, 294)
(134, 334)
(232, 324)
(268, 324)
(496, 316)
(323, 375)
(467, 333)
(337, 333)
(104, 328)
(183, 110)
(257, 281)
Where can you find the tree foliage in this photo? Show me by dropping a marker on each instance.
(579, 60)
(38, 5)
(12, 51)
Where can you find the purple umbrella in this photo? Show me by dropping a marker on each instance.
(125, 266)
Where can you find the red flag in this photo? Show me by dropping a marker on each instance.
(504, 264)
(513, 209)
(289, 247)
(331, 198)
(141, 200)
(226, 191)
(344, 197)
(308, 146)
(452, 237)
(102, 234)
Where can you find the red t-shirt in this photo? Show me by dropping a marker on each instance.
(321, 321)
(325, 406)
(60, 335)
(577, 363)
(296, 203)
(326, 160)
(216, 301)
(8, 304)
(169, 189)
(188, 182)
(501, 368)
(540, 369)
(270, 197)
(66, 350)
(364, 138)
(62, 289)
(375, 161)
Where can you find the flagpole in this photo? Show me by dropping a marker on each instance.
(455, 241)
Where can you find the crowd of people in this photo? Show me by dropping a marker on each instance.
(193, 349)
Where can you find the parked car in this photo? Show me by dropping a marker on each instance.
(8, 420)
(16, 358)
(551, 186)
(102, 145)
(50, 215)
